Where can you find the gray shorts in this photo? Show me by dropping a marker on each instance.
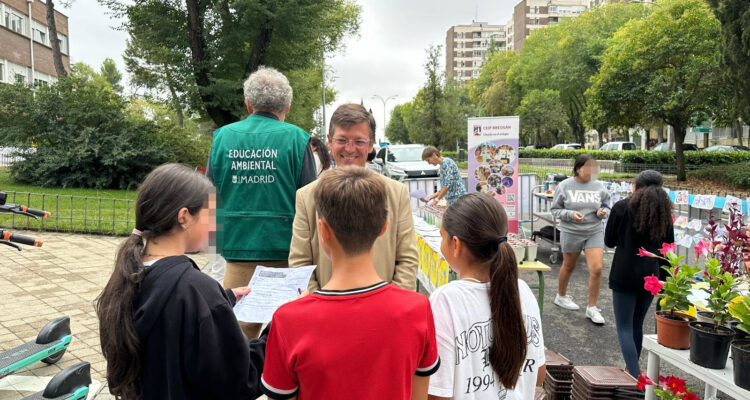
(573, 243)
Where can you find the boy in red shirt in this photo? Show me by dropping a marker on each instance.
(358, 337)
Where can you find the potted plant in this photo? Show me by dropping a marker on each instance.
(672, 328)
(740, 310)
(669, 388)
(709, 342)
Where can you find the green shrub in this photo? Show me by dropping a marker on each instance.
(569, 154)
(733, 174)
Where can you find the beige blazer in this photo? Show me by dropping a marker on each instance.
(396, 256)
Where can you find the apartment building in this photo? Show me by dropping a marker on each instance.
(467, 45)
(25, 47)
(534, 14)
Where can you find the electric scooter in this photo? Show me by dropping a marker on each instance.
(72, 383)
(53, 339)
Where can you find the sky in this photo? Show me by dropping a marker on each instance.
(386, 58)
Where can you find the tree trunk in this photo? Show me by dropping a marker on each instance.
(679, 139)
(175, 99)
(737, 125)
(538, 139)
(258, 52)
(660, 133)
(53, 41)
(600, 132)
(705, 139)
(200, 61)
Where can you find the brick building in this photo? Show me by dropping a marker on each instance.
(534, 14)
(25, 52)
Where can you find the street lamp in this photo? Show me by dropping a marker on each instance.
(385, 101)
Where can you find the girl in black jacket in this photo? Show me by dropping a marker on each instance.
(167, 330)
(643, 220)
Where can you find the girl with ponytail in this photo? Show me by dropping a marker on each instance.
(166, 329)
(643, 220)
(487, 323)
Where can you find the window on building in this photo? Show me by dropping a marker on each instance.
(63, 40)
(14, 22)
(20, 78)
(40, 36)
(39, 82)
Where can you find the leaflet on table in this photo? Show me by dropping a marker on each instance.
(271, 288)
(695, 224)
(418, 194)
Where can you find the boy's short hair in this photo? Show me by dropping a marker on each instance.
(429, 151)
(353, 201)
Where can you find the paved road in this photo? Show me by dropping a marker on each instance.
(65, 276)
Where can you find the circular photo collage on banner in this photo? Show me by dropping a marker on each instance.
(495, 172)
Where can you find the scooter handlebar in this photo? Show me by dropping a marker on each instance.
(38, 213)
(20, 239)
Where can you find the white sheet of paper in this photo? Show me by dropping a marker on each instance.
(681, 197)
(418, 194)
(730, 200)
(271, 287)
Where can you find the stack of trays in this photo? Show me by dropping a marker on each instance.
(602, 383)
(559, 380)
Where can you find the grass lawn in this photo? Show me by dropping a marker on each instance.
(73, 210)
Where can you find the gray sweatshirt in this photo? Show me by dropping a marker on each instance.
(586, 198)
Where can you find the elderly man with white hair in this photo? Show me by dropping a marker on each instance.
(257, 166)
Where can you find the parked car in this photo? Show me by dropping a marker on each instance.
(619, 146)
(726, 148)
(665, 146)
(405, 161)
(567, 146)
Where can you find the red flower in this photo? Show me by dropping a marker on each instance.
(701, 248)
(668, 248)
(673, 384)
(643, 381)
(652, 284)
(690, 396)
(645, 253)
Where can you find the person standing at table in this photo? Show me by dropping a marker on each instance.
(450, 176)
(580, 203)
(257, 165)
(642, 221)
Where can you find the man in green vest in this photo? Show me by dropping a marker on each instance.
(257, 166)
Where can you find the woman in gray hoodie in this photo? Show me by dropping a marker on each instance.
(580, 203)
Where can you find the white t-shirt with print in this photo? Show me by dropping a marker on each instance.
(463, 328)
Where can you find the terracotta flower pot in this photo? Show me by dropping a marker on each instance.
(672, 330)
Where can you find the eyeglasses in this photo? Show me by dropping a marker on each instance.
(357, 143)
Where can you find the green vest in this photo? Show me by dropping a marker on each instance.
(256, 165)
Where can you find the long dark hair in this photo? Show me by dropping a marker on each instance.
(480, 222)
(323, 154)
(650, 207)
(580, 161)
(164, 192)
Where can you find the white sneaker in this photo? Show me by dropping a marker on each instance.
(566, 302)
(595, 315)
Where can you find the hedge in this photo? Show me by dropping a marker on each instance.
(645, 156)
(735, 174)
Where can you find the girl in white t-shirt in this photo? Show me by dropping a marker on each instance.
(487, 323)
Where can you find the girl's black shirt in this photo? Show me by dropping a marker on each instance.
(192, 346)
(629, 269)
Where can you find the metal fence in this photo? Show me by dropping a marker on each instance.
(607, 166)
(80, 214)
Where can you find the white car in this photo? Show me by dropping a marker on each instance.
(619, 146)
(567, 146)
(403, 161)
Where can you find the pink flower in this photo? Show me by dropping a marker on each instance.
(645, 253)
(652, 284)
(668, 248)
(690, 396)
(701, 248)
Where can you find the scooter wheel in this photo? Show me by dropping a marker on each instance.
(53, 358)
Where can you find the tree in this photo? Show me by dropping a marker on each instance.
(212, 46)
(734, 16)
(426, 126)
(564, 56)
(542, 116)
(396, 131)
(53, 40)
(490, 91)
(110, 72)
(664, 67)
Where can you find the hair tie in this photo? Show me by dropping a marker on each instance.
(500, 240)
(136, 232)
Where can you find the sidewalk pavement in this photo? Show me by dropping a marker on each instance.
(40, 284)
